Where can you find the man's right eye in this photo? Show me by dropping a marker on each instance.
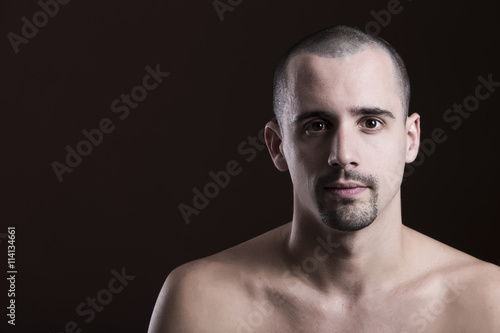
(316, 126)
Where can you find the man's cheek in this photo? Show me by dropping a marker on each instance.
(390, 182)
(393, 163)
(390, 173)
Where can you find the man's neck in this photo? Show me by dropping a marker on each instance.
(357, 262)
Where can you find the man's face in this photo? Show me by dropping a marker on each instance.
(344, 139)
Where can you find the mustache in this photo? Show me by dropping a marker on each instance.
(346, 175)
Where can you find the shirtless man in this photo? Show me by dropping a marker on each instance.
(345, 263)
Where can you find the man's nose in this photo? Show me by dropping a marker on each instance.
(343, 151)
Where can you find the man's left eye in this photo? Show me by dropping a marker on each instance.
(371, 123)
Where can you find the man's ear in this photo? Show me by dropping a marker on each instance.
(412, 137)
(274, 144)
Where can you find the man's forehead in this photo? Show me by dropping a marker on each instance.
(364, 77)
(308, 67)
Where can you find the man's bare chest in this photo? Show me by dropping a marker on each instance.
(396, 314)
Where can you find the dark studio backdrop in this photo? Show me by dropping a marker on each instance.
(109, 226)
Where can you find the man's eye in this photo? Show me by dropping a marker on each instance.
(371, 123)
(316, 126)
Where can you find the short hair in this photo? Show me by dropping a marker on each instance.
(335, 41)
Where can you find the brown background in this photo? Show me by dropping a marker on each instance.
(119, 208)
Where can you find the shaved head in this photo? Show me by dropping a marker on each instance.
(335, 41)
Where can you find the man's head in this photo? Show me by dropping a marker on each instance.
(341, 99)
(335, 41)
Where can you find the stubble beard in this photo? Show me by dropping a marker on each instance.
(346, 214)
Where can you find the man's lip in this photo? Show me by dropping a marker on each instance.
(342, 185)
(346, 190)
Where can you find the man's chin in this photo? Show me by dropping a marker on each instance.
(348, 217)
(346, 226)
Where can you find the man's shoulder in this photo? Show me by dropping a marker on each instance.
(480, 302)
(183, 301)
(230, 264)
(194, 298)
(469, 287)
(212, 290)
(206, 275)
(449, 262)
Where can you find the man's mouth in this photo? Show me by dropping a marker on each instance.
(345, 189)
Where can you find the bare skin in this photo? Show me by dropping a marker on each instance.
(307, 276)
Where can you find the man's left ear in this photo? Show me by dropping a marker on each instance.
(412, 137)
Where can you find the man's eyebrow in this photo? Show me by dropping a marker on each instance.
(312, 114)
(371, 111)
(360, 111)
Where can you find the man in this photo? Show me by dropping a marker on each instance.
(345, 263)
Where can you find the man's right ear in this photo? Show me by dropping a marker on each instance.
(274, 144)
